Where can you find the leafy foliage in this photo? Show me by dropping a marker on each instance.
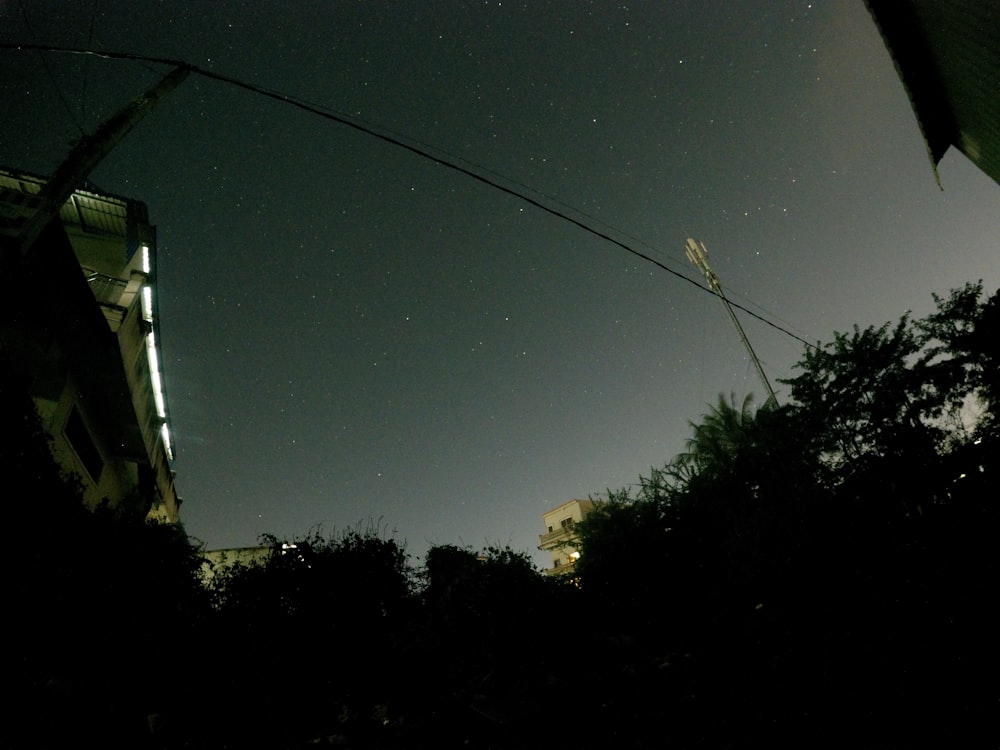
(802, 568)
(302, 642)
(820, 573)
(95, 602)
(894, 390)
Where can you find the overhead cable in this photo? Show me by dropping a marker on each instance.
(402, 142)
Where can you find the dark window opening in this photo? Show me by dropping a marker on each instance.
(83, 444)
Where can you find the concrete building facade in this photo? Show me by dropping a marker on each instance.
(79, 325)
(560, 535)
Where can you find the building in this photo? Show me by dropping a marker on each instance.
(560, 535)
(947, 54)
(218, 561)
(79, 326)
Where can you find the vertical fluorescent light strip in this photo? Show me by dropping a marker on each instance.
(145, 259)
(147, 304)
(154, 372)
(154, 360)
(165, 436)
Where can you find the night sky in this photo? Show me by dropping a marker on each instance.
(353, 333)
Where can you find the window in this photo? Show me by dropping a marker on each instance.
(567, 523)
(83, 444)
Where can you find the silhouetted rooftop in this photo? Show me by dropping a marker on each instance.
(947, 55)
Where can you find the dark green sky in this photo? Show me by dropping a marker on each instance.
(352, 332)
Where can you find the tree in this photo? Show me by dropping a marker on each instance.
(962, 357)
(720, 438)
(916, 388)
(859, 392)
(309, 642)
(831, 556)
(478, 647)
(95, 600)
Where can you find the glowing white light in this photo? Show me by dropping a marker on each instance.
(147, 303)
(154, 359)
(154, 372)
(165, 436)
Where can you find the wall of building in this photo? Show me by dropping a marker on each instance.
(80, 331)
(80, 449)
(560, 533)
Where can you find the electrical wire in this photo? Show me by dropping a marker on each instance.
(48, 70)
(86, 63)
(421, 150)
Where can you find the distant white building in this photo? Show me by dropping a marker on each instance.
(560, 534)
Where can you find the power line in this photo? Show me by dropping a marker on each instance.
(422, 150)
(86, 67)
(48, 70)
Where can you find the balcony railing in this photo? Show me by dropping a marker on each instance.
(107, 290)
(557, 535)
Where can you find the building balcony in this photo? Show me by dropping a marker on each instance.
(108, 290)
(555, 537)
(115, 295)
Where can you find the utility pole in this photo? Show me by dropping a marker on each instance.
(696, 253)
(87, 154)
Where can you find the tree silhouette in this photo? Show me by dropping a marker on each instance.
(722, 435)
(94, 601)
(823, 567)
(307, 643)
